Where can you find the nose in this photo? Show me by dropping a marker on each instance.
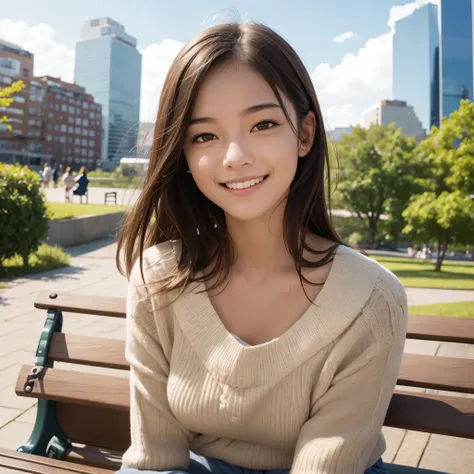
(237, 157)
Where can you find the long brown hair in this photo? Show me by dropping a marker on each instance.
(171, 207)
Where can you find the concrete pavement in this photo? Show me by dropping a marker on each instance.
(93, 272)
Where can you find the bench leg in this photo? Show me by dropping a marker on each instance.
(47, 438)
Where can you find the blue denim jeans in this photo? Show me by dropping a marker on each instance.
(202, 465)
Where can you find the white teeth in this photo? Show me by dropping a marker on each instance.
(245, 184)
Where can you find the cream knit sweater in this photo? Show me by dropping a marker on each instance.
(313, 400)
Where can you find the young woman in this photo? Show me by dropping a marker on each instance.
(257, 340)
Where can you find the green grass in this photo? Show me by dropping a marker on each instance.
(415, 273)
(3, 285)
(464, 309)
(116, 183)
(68, 210)
(44, 259)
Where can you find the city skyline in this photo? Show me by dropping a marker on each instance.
(353, 72)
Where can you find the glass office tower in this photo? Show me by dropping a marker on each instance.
(456, 52)
(109, 66)
(416, 63)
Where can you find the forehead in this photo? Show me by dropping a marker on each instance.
(232, 85)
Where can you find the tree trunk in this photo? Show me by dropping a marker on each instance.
(24, 255)
(439, 260)
(372, 233)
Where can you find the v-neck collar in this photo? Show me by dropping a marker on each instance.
(338, 303)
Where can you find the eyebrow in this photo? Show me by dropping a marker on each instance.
(247, 111)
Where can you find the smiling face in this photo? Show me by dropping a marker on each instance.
(240, 148)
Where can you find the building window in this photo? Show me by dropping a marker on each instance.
(84, 142)
(85, 132)
(78, 121)
(56, 128)
(50, 115)
(77, 141)
(69, 140)
(91, 153)
(91, 115)
(49, 138)
(77, 151)
(70, 120)
(20, 100)
(91, 143)
(85, 105)
(63, 108)
(77, 130)
(26, 72)
(56, 107)
(62, 139)
(85, 122)
(70, 129)
(63, 128)
(71, 110)
(91, 133)
(56, 138)
(84, 152)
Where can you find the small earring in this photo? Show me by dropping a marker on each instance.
(189, 171)
(197, 231)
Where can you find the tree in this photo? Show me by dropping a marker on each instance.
(377, 176)
(6, 98)
(443, 212)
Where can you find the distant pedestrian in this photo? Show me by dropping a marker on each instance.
(68, 182)
(82, 182)
(47, 175)
(56, 175)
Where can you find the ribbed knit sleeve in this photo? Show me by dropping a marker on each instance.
(158, 441)
(345, 422)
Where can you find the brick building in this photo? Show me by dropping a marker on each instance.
(68, 121)
(52, 120)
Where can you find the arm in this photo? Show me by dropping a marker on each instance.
(158, 441)
(346, 421)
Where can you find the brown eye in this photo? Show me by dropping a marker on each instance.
(264, 125)
(204, 137)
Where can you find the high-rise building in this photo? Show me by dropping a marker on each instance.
(416, 63)
(109, 65)
(387, 112)
(456, 53)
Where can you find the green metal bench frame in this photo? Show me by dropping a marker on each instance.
(47, 438)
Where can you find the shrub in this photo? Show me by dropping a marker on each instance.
(22, 212)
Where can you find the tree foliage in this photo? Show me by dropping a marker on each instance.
(6, 98)
(444, 211)
(377, 176)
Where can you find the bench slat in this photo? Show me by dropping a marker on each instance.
(451, 416)
(438, 414)
(438, 373)
(85, 350)
(95, 456)
(16, 462)
(443, 329)
(77, 387)
(85, 304)
(432, 328)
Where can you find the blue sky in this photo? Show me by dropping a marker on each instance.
(350, 73)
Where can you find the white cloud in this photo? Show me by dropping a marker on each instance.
(51, 57)
(343, 37)
(157, 59)
(362, 79)
(57, 60)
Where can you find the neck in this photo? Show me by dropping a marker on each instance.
(260, 244)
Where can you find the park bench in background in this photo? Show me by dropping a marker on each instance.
(84, 417)
(110, 196)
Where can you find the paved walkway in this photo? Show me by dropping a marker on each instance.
(125, 196)
(93, 272)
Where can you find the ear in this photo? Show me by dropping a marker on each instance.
(308, 130)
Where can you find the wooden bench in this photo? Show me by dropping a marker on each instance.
(84, 417)
(110, 196)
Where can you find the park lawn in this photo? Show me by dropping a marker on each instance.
(45, 258)
(462, 309)
(58, 210)
(415, 273)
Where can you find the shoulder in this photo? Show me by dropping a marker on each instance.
(385, 296)
(157, 261)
